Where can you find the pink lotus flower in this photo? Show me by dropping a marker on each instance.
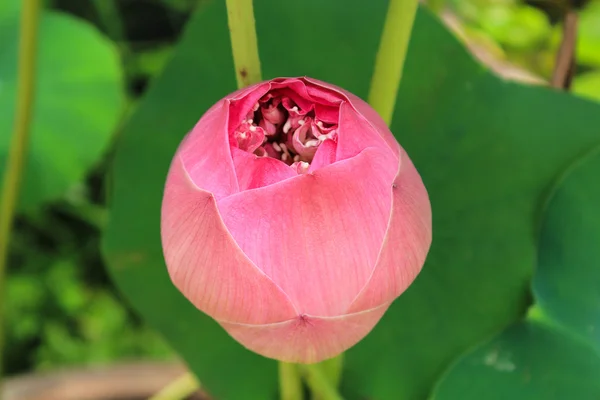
(293, 217)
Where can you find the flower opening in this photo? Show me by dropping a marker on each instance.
(279, 128)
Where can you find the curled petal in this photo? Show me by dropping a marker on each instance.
(324, 93)
(406, 242)
(269, 128)
(306, 339)
(366, 110)
(300, 167)
(324, 132)
(326, 113)
(272, 113)
(302, 143)
(317, 235)
(243, 102)
(206, 264)
(254, 172)
(295, 89)
(355, 133)
(249, 137)
(324, 156)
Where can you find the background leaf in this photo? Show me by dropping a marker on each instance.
(567, 281)
(79, 98)
(486, 149)
(200, 72)
(528, 361)
(555, 353)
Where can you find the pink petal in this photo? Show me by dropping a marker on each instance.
(254, 172)
(406, 243)
(317, 236)
(272, 113)
(248, 137)
(355, 134)
(324, 156)
(301, 143)
(248, 90)
(375, 120)
(242, 102)
(204, 147)
(205, 263)
(327, 114)
(323, 93)
(306, 339)
(366, 110)
(295, 89)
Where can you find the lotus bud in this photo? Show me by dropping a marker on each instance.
(292, 216)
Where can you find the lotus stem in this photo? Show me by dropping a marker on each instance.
(332, 369)
(317, 381)
(20, 139)
(391, 55)
(179, 389)
(290, 384)
(242, 30)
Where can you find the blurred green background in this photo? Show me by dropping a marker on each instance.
(61, 306)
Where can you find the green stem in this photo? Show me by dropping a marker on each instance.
(437, 6)
(317, 381)
(181, 388)
(290, 384)
(20, 139)
(243, 42)
(332, 369)
(391, 55)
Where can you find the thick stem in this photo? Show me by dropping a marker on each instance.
(243, 42)
(290, 384)
(179, 389)
(391, 55)
(317, 381)
(332, 369)
(20, 139)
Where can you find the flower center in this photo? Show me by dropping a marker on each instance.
(277, 127)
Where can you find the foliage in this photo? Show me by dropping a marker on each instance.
(555, 352)
(61, 307)
(78, 84)
(493, 306)
(526, 34)
(487, 151)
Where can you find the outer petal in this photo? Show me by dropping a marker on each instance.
(205, 263)
(375, 120)
(254, 172)
(207, 146)
(406, 243)
(317, 236)
(355, 133)
(363, 108)
(306, 339)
